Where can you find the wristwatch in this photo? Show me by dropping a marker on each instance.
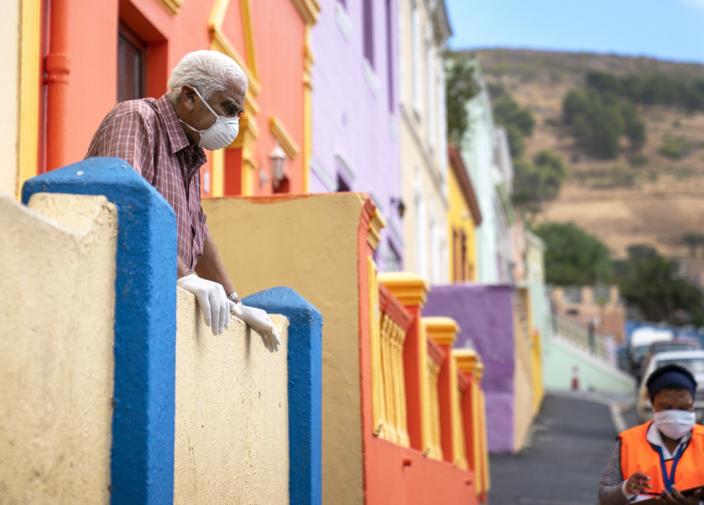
(233, 296)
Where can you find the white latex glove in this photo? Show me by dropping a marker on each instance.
(212, 301)
(260, 322)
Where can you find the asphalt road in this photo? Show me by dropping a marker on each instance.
(569, 446)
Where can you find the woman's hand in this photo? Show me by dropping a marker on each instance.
(637, 483)
(676, 498)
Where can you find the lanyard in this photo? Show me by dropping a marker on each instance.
(670, 480)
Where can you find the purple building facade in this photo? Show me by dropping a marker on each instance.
(485, 316)
(355, 111)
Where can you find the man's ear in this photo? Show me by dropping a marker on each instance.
(188, 97)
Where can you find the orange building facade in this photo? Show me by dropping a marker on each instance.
(93, 54)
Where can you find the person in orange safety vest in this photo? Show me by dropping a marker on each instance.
(662, 457)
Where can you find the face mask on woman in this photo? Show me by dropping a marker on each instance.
(674, 423)
(220, 134)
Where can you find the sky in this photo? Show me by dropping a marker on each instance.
(664, 29)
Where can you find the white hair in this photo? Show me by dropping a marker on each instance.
(208, 72)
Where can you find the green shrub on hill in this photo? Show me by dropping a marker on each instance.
(674, 147)
(508, 113)
(654, 89)
(597, 122)
(538, 181)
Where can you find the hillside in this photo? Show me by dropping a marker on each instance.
(652, 200)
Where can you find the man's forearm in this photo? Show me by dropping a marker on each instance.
(210, 266)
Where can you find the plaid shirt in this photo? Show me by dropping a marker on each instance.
(147, 134)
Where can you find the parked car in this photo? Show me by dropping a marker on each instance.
(641, 338)
(677, 344)
(692, 361)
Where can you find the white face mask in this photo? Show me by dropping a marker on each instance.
(674, 423)
(221, 134)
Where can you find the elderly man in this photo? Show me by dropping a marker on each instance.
(163, 140)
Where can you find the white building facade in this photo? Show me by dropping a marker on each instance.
(423, 31)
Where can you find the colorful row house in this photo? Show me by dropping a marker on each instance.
(464, 217)
(356, 145)
(72, 61)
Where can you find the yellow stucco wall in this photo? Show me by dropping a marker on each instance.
(459, 217)
(9, 62)
(523, 376)
(231, 441)
(56, 369)
(309, 244)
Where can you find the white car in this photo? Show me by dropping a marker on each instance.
(692, 361)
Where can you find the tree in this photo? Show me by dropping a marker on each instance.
(693, 240)
(552, 173)
(603, 82)
(597, 122)
(655, 287)
(516, 142)
(538, 181)
(633, 125)
(606, 130)
(573, 257)
(574, 104)
(508, 113)
(461, 86)
(641, 251)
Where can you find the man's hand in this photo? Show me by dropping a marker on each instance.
(212, 300)
(259, 321)
(637, 483)
(676, 498)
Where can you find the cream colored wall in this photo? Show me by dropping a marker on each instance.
(420, 182)
(231, 442)
(56, 369)
(308, 243)
(9, 62)
(423, 166)
(522, 380)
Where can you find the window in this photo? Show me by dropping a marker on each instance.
(430, 87)
(131, 65)
(342, 185)
(456, 248)
(420, 228)
(415, 55)
(368, 20)
(463, 256)
(390, 259)
(389, 57)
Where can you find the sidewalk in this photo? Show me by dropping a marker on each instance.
(570, 444)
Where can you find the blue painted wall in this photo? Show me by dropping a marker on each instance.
(305, 355)
(142, 457)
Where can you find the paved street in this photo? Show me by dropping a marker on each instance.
(570, 445)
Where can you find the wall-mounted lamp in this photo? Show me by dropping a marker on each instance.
(277, 159)
(400, 206)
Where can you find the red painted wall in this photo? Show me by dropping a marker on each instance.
(84, 33)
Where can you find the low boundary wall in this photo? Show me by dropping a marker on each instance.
(144, 402)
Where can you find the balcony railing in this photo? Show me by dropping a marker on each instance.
(599, 345)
